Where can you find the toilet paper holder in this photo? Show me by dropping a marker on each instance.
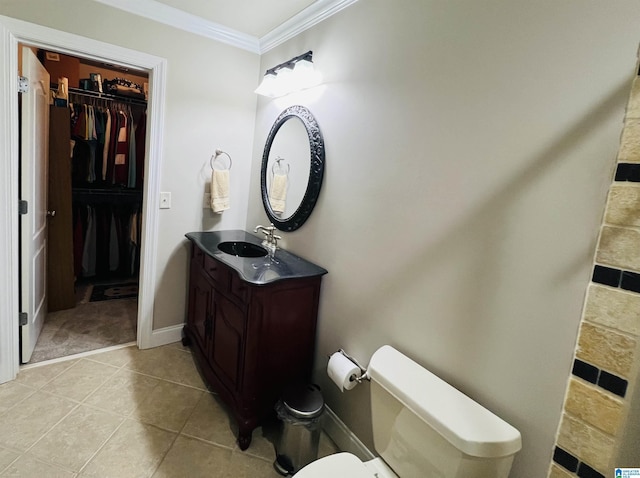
(355, 378)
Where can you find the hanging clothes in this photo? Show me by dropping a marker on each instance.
(141, 136)
(110, 146)
(114, 251)
(108, 154)
(89, 250)
(106, 141)
(131, 181)
(106, 239)
(121, 158)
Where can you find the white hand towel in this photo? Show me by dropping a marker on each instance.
(220, 190)
(278, 193)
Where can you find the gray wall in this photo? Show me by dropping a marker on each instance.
(469, 150)
(210, 104)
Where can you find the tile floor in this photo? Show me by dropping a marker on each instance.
(124, 413)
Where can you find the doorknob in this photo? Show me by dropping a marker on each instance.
(51, 213)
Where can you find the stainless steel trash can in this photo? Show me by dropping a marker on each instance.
(300, 411)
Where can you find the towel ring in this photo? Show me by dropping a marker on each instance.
(277, 163)
(215, 156)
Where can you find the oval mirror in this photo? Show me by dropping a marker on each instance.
(292, 168)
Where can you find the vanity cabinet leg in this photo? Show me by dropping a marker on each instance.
(244, 439)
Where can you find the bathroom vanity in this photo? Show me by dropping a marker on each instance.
(251, 321)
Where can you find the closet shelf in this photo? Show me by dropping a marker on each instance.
(104, 96)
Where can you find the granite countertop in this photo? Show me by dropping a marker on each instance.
(255, 270)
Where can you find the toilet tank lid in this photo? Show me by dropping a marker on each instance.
(464, 423)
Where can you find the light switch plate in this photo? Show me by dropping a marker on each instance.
(165, 200)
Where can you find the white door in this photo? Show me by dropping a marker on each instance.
(33, 188)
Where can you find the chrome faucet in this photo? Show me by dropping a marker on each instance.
(270, 242)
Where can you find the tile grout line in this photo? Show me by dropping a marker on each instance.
(169, 381)
(37, 389)
(209, 442)
(129, 416)
(33, 391)
(2, 470)
(124, 418)
(75, 407)
(84, 400)
(78, 404)
(51, 379)
(41, 460)
(180, 432)
(173, 442)
(90, 459)
(122, 422)
(75, 400)
(125, 367)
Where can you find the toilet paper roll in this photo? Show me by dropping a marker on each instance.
(343, 371)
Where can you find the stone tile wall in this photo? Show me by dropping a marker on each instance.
(607, 353)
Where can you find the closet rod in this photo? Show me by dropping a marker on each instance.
(107, 196)
(106, 96)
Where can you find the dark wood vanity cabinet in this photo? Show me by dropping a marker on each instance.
(250, 341)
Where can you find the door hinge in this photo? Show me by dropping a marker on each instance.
(23, 318)
(23, 84)
(23, 206)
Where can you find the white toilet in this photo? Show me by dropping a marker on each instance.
(423, 428)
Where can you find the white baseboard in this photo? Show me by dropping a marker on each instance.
(166, 335)
(344, 438)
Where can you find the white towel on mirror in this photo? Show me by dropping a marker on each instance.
(278, 193)
(219, 190)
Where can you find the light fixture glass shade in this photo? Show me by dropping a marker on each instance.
(297, 74)
(268, 85)
(305, 75)
(284, 82)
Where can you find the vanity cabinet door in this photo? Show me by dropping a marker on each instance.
(227, 342)
(200, 306)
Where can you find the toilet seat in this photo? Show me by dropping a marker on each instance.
(340, 465)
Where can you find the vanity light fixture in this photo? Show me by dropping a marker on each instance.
(293, 75)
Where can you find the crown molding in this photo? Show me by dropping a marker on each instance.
(182, 20)
(307, 18)
(159, 12)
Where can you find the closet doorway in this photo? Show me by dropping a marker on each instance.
(13, 32)
(96, 157)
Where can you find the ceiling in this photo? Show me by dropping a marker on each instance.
(253, 25)
(253, 17)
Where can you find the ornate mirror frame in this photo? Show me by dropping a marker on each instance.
(316, 171)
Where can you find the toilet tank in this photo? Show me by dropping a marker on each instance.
(425, 428)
